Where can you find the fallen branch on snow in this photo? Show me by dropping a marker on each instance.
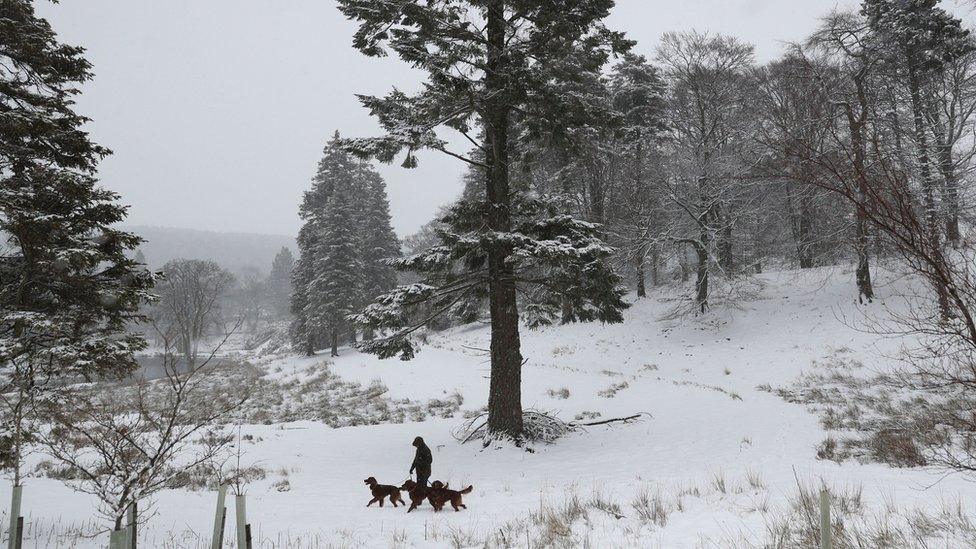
(627, 419)
(538, 426)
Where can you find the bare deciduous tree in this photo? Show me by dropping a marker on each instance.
(123, 443)
(190, 296)
(710, 124)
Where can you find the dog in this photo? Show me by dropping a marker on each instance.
(381, 491)
(416, 493)
(439, 494)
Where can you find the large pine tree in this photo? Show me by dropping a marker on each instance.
(343, 246)
(336, 285)
(67, 288)
(335, 169)
(486, 61)
(379, 242)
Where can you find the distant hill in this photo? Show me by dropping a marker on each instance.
(233, 251)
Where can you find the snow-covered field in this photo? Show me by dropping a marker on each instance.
(723, 456)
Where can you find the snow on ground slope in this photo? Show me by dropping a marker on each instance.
(719, 451)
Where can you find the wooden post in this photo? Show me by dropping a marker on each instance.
(247, 536)
(15, 499)
(825, 541)
(239, 504)
(218, 530)
(20, 532)
(133, 514)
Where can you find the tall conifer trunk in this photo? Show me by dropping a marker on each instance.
(950, 190)
(928, 184)
(505, 391)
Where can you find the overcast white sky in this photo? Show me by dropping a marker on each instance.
(217, 110)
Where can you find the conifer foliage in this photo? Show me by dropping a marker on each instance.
(67, 288)
(343, 246)
(490, 64)
(279, 282)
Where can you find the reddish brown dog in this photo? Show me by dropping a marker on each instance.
(416, 493)
(439, 494)
(381, 491)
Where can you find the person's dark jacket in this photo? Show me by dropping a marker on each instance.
(423, 459)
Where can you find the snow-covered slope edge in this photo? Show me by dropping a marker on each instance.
(717, 463)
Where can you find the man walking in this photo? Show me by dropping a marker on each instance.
(421, 462)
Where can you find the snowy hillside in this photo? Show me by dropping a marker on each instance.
(715, 462)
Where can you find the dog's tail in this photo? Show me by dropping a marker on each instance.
(467, 490)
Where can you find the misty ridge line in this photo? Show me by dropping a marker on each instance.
(236, 251)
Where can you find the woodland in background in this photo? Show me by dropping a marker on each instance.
(592, 169)
(699, 166)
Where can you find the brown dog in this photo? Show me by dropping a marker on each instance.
(417, 493)
(439, 494)
(381, 491)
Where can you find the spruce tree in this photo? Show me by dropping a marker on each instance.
(344, 244)
(302, 335)
(479, 76)
(379, 243)
(336, 168)
(279, 281)
(68, 289)
(335, 289)
(638, 95)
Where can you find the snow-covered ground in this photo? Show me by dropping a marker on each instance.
(723, 455)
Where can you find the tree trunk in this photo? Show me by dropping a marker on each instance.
(505, 388)
(950, 188)
(598, 199)
(655, 260)
(683, 265)
(566, 312)
(641, 287)
(701, 282)
(638, 184)
(705, 220)
(856, 124)
(334, 336)
(801, 221)
(725, 258)
(928, 185)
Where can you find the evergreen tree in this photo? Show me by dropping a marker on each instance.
(335, 169)
(344, 244)
(638, 95)
(336, 287)
(920, 39)
(279, 281)
(67, 288)
(302, 334)
(480, 76)
(379, 242)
